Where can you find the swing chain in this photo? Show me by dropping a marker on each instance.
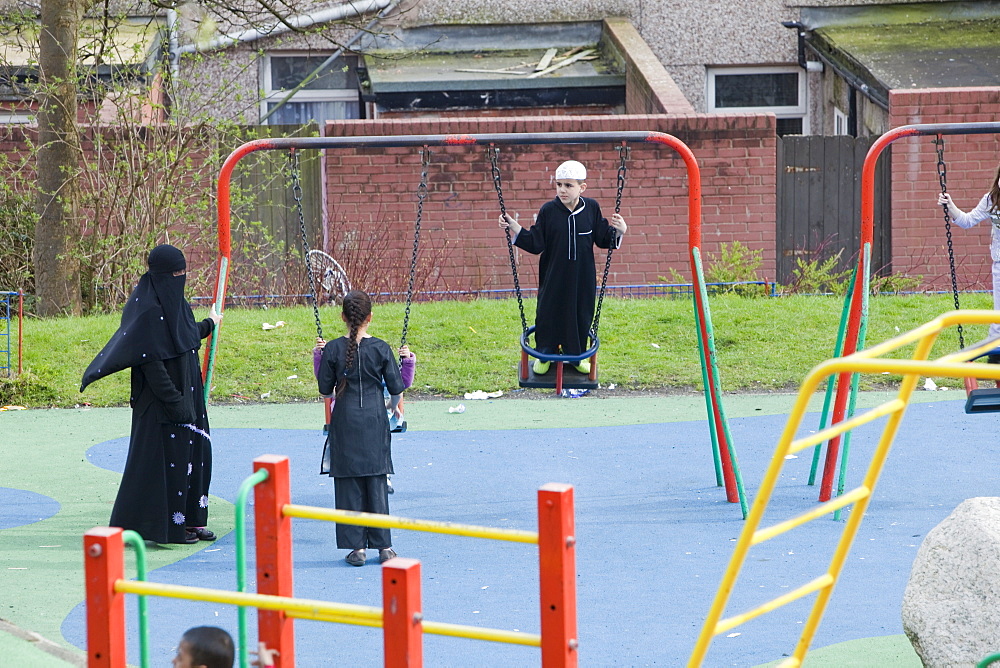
(494, 153)
(425, 161)
(623, 154)
(942, 170)
(294, 169)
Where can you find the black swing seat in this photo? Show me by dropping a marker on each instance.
(984, 400)
(571, 378)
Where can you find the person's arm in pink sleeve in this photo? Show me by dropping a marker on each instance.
(407, 366)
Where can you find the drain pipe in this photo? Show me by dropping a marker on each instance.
(297, 22)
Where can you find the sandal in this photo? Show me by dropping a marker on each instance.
(201, 533)
(190, 537)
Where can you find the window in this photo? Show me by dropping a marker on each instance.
(332, 92)
(839, 122)
(779, 90)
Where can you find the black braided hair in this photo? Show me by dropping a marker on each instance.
(357, 308)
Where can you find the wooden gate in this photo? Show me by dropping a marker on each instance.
(266, 231)
(819, 202)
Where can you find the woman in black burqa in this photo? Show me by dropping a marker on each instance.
(164, 489)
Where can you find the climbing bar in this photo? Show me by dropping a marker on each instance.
(887, 408)
(841, 501)
(815, 585)
(394, 522)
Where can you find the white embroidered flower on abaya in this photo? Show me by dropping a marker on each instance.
(190, 468)
(179, 518)
(203, 501)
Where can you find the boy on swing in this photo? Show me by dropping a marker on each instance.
(564, 234)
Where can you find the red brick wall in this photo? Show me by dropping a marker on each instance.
(460, 235)
(918, 236)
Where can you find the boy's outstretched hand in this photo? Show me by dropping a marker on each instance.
(509, 223)
(618, 223)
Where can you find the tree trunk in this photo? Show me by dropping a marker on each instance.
(57, 274)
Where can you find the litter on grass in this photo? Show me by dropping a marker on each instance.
(266, 326)
(457, 409)
(574, 394)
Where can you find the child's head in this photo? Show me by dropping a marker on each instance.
(207, 646)
(357, 307)
(571, 181)
(357, 311)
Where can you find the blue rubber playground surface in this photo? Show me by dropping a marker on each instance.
(654, 532)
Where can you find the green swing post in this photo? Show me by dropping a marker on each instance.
(710, 370)
(139, 545)
(855, 378)
(712, 429)
(241, 555)
(831, 381)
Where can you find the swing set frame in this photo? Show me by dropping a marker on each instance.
(726, 464)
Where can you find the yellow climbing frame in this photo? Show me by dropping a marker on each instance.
(955, 365)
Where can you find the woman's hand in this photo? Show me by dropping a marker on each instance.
(214, 315)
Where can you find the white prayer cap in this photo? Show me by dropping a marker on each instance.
(571, 169)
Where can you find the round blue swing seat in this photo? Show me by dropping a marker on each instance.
(571, 378)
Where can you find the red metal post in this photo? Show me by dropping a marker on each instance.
(402, 614)
(274, 555)
(103, 565)
(559, 377)
(557, 575)
(593, 367)
(327, 404)
(524, 365)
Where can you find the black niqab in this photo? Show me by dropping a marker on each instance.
(157, 322)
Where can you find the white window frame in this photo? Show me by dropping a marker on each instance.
(839, 122)
(801, 110)
(306, 95)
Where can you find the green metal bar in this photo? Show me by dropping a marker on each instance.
(988, 661)
(712, 427)
(241, 555)
(219, 306)
(838, 350)
(714, 370)
(136, 541)
(853, 399)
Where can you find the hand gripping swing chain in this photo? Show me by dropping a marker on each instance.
(494, 154)
(294, 168)
(942, 170)
(623, 153)
(425, 161)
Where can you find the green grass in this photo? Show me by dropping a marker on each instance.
(646, 344)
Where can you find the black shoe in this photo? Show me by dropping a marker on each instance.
(202, 533)
(190, 537)
(386, 554)
(356, 558)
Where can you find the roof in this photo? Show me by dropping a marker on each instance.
(134, 41)
(476, 66)
(919, 45)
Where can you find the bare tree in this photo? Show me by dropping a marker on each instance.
(57, 276)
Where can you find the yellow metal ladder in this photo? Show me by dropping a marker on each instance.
(955, 365)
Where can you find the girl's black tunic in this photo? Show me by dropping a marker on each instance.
(359, 427)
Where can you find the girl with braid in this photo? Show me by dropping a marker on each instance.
(354, 368)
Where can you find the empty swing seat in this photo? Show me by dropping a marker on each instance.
(986, 400)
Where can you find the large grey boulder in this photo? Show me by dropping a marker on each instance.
(951, 607)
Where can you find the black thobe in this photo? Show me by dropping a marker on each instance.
(567, 279)
(359, 437)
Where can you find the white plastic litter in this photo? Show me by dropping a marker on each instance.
(292, 377)
(930, 385)
(480, 394)
(457, 409)
(265, 395)
(655, 345)
(266, 326)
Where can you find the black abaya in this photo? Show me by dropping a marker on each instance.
(164, 487)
